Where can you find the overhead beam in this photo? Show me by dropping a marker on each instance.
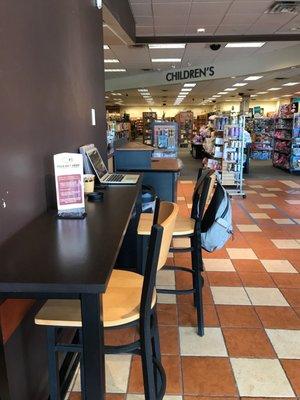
(217, 39)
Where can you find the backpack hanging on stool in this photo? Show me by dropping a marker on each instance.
(216, 226)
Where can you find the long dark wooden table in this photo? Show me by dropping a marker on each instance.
(51, 258)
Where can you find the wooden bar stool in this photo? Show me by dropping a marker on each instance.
(189, 227)
(130, 299)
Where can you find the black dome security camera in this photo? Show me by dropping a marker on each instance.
(215, 46)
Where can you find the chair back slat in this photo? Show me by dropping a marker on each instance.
(166, 218)
(159, 244)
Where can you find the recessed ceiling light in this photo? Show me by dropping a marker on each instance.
(250, 44)
(186, 89)
(167, 46)
(274, 98)
(261, 92)
(229, 90)
(253, 95)
(201, 30)
(115, 70)
(106, 97)
(240, 84)
(189, 85)
(274, 89)
(163, 60)
(291, 84)
(117, 94)
(111, 60)
(105, 47)
(222, 93)
(253, 78)
(216, 95)
(287, 95)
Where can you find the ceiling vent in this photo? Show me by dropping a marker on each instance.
(284, 7)
(280, 78)
(137, 46)
(147, 69)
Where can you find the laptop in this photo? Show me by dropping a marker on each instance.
(102, 173)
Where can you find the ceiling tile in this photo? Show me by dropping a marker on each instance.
(144, 21)
(250, 6)
(163, 10)
(141, 9)
(210, 7)
(144, 30)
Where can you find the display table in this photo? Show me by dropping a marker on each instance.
(52, 258)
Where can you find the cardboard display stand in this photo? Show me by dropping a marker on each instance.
(69, 184)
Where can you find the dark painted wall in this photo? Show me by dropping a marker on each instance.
(121, 11)
(51, 74)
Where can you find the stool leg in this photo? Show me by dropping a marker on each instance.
(147, 359)
(54, 384)
(156, 351)
(198, 284)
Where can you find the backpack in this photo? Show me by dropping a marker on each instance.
(216, 226)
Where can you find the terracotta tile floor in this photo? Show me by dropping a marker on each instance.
(251, 349)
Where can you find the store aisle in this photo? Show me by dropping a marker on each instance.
(259, 169)
(251, 346)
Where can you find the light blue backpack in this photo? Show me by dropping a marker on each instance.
(216, 226)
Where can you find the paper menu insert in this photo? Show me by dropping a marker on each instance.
(69, 185)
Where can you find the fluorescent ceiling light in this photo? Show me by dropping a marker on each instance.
(287, 95)
(249, 44)
(253, 78)
(105, 47)
(186, 89)
(216, 95)
(229, 90)
(240, 84)
(115, 70)
(111, 60)
(275, 98)
(189, 85)
(274, 89)
(163, 60)
(167, 46)
(222, 93)
(253, 95)
(143, 90)
(291, 84)
(117, 94)
(261, 92)
(201, 30)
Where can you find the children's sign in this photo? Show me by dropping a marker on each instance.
(68, 169)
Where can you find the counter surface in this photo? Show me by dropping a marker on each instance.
(67, 256)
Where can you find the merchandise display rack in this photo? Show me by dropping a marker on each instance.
(229, 153)
(263, 130)
(148, 118)
(185, 120)
(233, 157)
(286, 154)
(164, 139)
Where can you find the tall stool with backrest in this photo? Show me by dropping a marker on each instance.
(130, 299)
(189, 228)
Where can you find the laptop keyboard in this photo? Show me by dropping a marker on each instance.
(114, 178)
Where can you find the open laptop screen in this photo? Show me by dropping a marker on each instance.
(97, 162)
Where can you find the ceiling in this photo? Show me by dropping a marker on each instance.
(218, 17)
(184, 17)
(205, 89)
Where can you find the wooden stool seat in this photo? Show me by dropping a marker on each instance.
(183, 225)
(121, 304)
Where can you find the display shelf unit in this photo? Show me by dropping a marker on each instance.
(229, 153)
(185, 121)
(164, 139)
(148, 118)
(200, 121)
(262, 138)
(284, 148)
(118, 133)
